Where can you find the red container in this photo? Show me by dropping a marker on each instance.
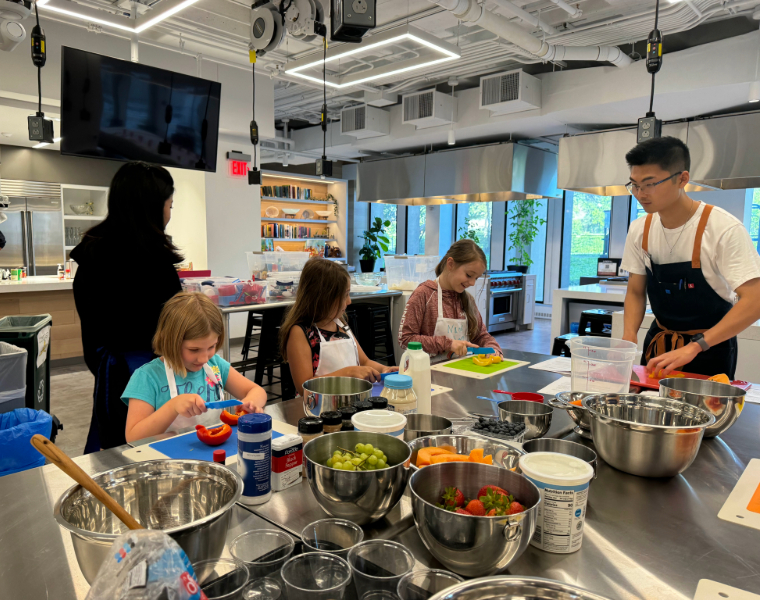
(188, 274)
(529, 396)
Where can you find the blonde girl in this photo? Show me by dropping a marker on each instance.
(171, 391)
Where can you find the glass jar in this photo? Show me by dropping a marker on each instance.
(332, 421)
(310, 428)
(399, 392)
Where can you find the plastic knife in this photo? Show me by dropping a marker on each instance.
(481, 351)
(223, 403)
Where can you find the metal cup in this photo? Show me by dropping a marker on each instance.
(421, 425)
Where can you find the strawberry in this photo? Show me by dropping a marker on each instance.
(514, 508)
(497, 500)
(492, 513)
(453, 497)
(484, 490)
(461, 511)
(475, 507)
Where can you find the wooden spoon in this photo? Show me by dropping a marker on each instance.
(60, 459)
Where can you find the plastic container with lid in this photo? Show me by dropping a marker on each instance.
(285, 261)
(282, 286)
(563, 481)
(220, 456)
(399, 392)
(407, 272)
(254, 458)
(380, 421)
(228, 291)
(347, 412)
(379, 403)
(332, 421)
(287, 461)
(257, 265)
(415, 362)
(310, 428)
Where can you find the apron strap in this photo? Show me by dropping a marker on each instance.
(170, 379)
(695, 257)
(213, 376)
(206, 368)
(657, 345)
(645, 239)
(440, 299)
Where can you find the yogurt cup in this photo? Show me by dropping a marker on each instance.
(380, 421)
(563, 481)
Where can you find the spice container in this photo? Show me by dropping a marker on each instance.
(399, 391)
(379, 403)
(254, 459)
(347, 412)
(219, 456)
(287, 461)
(362, 405)
(332, 421)
(309, 428)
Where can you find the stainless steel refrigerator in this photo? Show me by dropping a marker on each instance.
(34, 228)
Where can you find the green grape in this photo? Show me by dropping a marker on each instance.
(372, 460)
(356, 461)
(368, 448)
(359, 448)
(380, 463)
(371, 467)
(337, 453)
(378, 453)
(349, 467)
(383, 457)
(337, 465)
(329, 462)
(346, 457)
(364, 456)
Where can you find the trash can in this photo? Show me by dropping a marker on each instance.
(33, 334)
(12, 377)
(16, 431)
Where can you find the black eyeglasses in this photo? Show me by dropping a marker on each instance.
(636, 189)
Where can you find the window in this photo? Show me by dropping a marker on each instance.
(636, 211)
(415, 230)
(474, 221)
(537, 249)
(754, 226)
(586, 235)
(387, 212)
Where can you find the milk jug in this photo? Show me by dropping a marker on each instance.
(415, 362)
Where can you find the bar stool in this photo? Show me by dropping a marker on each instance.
(597, 321)
(250, 343)
(561, 346)
(269, 358)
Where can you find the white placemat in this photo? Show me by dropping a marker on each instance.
(444, 368)
(735, 508)
(712, 590)
(560, 364)
(563, 384)
(438, 389)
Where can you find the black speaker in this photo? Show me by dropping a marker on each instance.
(351, 19)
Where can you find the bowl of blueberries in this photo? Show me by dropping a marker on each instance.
(502, 430)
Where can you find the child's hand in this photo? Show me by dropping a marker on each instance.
(367, 373)
(189, 405)
(459, 347)
(389, 370)
(255, 401)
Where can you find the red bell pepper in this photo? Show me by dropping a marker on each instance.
(229, 418)
(213, 437)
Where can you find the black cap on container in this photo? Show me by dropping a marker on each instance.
(362, 405)
(347, 426)
(310, 425)
(378, 402)
(332, 417)
(347, 412)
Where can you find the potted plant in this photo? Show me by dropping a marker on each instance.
(467, 233)
(374, 240)
(524, 226)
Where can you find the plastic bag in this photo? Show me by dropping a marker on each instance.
(16, 430)
(145, 564)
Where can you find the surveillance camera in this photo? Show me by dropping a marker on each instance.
(12, 32)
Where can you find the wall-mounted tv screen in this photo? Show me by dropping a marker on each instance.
(122, 110)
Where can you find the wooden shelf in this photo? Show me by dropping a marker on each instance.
(286, 220)
(293, 200)
(82, 218)
(300, 239)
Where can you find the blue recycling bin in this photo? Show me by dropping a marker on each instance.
(16, 430)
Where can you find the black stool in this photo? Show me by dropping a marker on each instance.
(593, 322)
(269, 357)
(373, 331)
(561, 347)
(250, 343)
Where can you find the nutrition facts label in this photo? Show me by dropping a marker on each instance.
(560, 515)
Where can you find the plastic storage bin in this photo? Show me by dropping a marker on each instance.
(283, 286)
(230, 292)
(601, 364)
(257, 265)
(407, 272)
(32, 333)
(12, 377)
(285, 261)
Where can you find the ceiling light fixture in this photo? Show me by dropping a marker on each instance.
(166, 10)
(437, 51)
(43, 144)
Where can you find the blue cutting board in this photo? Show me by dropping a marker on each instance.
(188, 446)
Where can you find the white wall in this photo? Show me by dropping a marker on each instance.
(732, 201)
(188, 224)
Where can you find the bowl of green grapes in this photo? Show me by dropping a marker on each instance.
(357, 475)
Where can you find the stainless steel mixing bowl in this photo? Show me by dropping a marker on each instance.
(536, 416)
(503, 454)
(421, 425)
(325, 394)
(507, 587)
(469, 545)
(723, 401)
(359, 496)
(646, 435)
(562, 447)
(188, 499)
(577, 413)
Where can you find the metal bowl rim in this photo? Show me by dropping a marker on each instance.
(594, 452)
(667, 428)
(369, 473)
(109, 537)
(324, 379)
(737, 396)
(518, 579)
(519, 414)
(560, 397)
(415, 468)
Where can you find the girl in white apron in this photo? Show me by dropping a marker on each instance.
(456, 325)
(170, 393)
(315, 341)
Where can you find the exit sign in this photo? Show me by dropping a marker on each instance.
(238, 168)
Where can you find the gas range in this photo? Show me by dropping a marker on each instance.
(505, 296)
(504, 280)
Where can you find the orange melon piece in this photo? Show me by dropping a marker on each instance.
(441, 458)
(424, 455)
(722, 378)
(476, 455)
(487, 460)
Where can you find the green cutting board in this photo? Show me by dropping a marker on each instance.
(466, 364)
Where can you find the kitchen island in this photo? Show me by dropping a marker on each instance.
(569, 302)
(644, 538)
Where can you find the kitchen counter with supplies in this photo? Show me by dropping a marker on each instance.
(644, 538)
(46, 283)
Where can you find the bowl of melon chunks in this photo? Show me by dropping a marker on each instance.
(437, 449)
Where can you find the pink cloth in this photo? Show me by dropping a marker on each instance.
(421, 313)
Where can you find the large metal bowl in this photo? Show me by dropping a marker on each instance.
(358, 496)
(188, 499)
(469, 545)
(646, 435)
(325, 394)
(507, 587)
(577, 413)
(723, 401)
(503, 454)
(536, 416)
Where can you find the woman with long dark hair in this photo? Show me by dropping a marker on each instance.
(126, 273)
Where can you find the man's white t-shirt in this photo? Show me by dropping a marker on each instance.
(728, 256)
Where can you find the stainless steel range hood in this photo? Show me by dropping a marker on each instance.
(494, 173)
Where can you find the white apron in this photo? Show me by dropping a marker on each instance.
(337, 354)
(210, 417)
(454, 329)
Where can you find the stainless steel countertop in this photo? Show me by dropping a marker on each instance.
(644, 538)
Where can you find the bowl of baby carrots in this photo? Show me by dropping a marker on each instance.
(436, 449)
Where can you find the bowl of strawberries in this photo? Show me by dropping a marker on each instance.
(475, 519)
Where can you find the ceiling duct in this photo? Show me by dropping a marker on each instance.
(364, 122)
(427, 109)
(495, 173)
(510, 92)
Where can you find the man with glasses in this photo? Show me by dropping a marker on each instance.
(695, 262)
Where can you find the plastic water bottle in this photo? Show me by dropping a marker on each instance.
(415, 362)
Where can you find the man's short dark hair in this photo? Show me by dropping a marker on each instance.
(668, 153)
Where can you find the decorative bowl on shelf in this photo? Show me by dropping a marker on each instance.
(272, 212)
(307, 214)
(82, 209)
(290, 212)
(324, 213)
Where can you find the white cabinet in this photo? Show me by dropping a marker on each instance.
(528, 308)
(80, 198)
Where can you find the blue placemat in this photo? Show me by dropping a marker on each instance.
(189, 446)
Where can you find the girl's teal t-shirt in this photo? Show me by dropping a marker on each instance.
(150, 385)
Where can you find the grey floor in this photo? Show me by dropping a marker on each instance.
(71, 387)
